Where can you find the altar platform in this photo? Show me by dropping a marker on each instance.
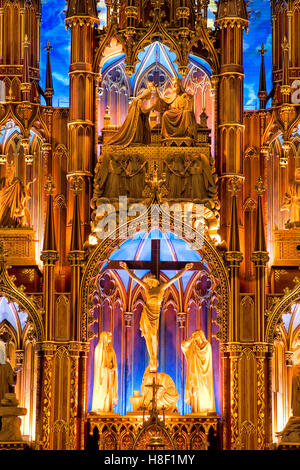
(138, 431)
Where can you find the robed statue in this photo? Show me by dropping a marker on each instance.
(291, 202)
(167, 394)
(8, 376)
(105, 392)
(149, 321)
(13, 200)
(200, 182)
(199, 389)
(136, 127)
(178, 117)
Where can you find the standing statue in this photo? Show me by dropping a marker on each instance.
(136, 127)
(174, 175)
(111, 179)
(291, 202)
(179, 119)
(149, 322)
(296, 390)
(199, 389)
(136, 176)
(8, 377)
(201, 184)
(105, 392)
(13, 199)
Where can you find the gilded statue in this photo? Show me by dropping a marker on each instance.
(13, 200)
(149, 322)
(179, 118)
(291, 202)
(112, 177)
(296, 391)
(136, 176)
(8, 376)
(200, 183)
(167, 394)
(175, 172)
(136, 127)
(105, 392)
(199, 389)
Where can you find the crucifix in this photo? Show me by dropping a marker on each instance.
(154, 292)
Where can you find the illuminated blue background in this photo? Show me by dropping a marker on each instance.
(53, 29)
(130, 375)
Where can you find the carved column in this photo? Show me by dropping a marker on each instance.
(45, 354)
(82, 393)
(229, 157)
(82, 23)
(74, 422)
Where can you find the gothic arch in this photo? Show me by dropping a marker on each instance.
(100, 253)
(11, 293)
(290, 298)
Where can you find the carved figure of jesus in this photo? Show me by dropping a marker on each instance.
(149, 322)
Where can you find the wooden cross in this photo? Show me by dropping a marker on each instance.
(155, 265)
(48, 47)
(262, 51)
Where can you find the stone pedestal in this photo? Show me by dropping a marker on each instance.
(290, 436)
(10, 433)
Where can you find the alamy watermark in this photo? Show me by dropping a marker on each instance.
(185, 220)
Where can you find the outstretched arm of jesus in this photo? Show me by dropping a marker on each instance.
(133, 276)
(178, 276)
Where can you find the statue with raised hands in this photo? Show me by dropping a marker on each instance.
(149, 322)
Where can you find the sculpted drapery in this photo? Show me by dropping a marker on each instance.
(199, 390)
(167, 394)
(179, 119)
(105, 392)
(7, 375)
(13, 198)
(136, 128)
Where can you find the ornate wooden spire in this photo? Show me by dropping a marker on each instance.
(234, 240)
(49, 235)
(49, 91)
(260, 239)
(76, 237)
(262, 92)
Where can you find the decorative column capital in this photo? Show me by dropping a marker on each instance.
(260, 258)
(128, 319)
(181, 319)
(288, 355)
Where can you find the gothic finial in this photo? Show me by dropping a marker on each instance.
(50, 186)
(49, 235)
(234, 185)
(260, 239)
(262, 92)
(76, 184)
(76, 237)
(234, 241)
(259, 187)
(49, 83)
